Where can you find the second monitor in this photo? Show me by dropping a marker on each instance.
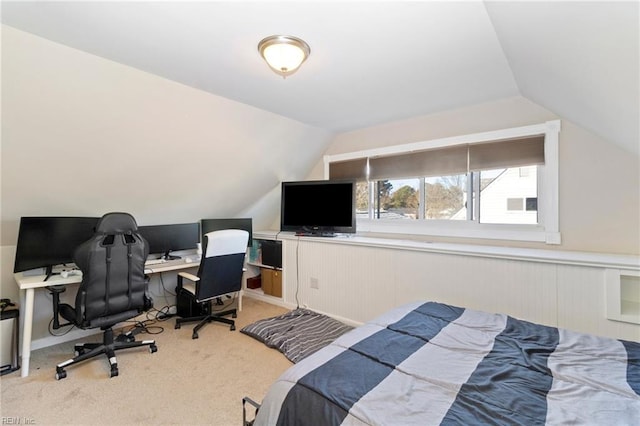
(163, 239)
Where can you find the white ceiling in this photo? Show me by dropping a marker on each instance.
(373, 61)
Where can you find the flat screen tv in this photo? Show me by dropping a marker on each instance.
(318, 208)
(163, 239)
(47, 241)
(210, 225)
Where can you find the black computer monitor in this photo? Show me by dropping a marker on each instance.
(47, 241)
(163, 239)
(210, 225)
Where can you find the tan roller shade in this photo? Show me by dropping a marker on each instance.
(509, 153)
(349, 169)
(453, 160)
(435, 162)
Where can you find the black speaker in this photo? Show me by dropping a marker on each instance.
(187, 306)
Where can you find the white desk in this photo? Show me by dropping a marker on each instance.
(30, 283)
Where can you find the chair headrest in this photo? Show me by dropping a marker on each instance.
(227, 241)
(116, 222)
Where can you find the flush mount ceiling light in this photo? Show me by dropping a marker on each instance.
(284, 54)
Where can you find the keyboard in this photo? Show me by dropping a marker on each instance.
(162, 263)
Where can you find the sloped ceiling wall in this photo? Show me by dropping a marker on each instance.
(580, 60)
(82, 135)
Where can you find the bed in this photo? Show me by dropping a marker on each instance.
(431, 363)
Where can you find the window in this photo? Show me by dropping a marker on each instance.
(503, 196)
(486, 185)
(445, 197)
(396, 199)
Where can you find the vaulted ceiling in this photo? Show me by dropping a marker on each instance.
(374, 62)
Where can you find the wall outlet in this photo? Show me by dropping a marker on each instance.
(314, 283)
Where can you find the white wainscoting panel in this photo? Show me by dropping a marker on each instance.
(352, 284)
(521, 289)
(355, 281)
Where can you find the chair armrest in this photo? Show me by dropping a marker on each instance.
(189, 276)
(190, 287)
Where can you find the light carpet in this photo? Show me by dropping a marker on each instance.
(186, 382)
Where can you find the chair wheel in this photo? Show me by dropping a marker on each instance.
(177, 326)
(113, 372)
(234, 315)
(153, 348)
(78, 350)
(194, 335)
(61, 374)
(232, 328)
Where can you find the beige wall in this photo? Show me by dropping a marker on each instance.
(599, 181)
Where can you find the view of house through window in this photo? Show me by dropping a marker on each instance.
(509, 195)
(506, 196)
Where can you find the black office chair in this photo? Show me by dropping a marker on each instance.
(113, 289)
(219, 274)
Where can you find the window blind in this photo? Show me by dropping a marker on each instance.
(350, 169)
(436, 162)
(453, 160)
(509, 153)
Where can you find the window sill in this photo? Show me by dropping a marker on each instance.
(460, 229)
(557, 257)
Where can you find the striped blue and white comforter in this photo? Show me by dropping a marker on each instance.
(430, 363)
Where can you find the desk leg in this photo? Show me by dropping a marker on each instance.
(26, 331)
(240, 293)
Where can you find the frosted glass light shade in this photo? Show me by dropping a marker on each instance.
(284, 54)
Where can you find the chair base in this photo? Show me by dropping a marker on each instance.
(85, 351)
(205, 319)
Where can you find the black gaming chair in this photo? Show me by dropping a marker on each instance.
(220, 274)
(113, 289)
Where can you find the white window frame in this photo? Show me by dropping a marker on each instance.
(547, 230)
